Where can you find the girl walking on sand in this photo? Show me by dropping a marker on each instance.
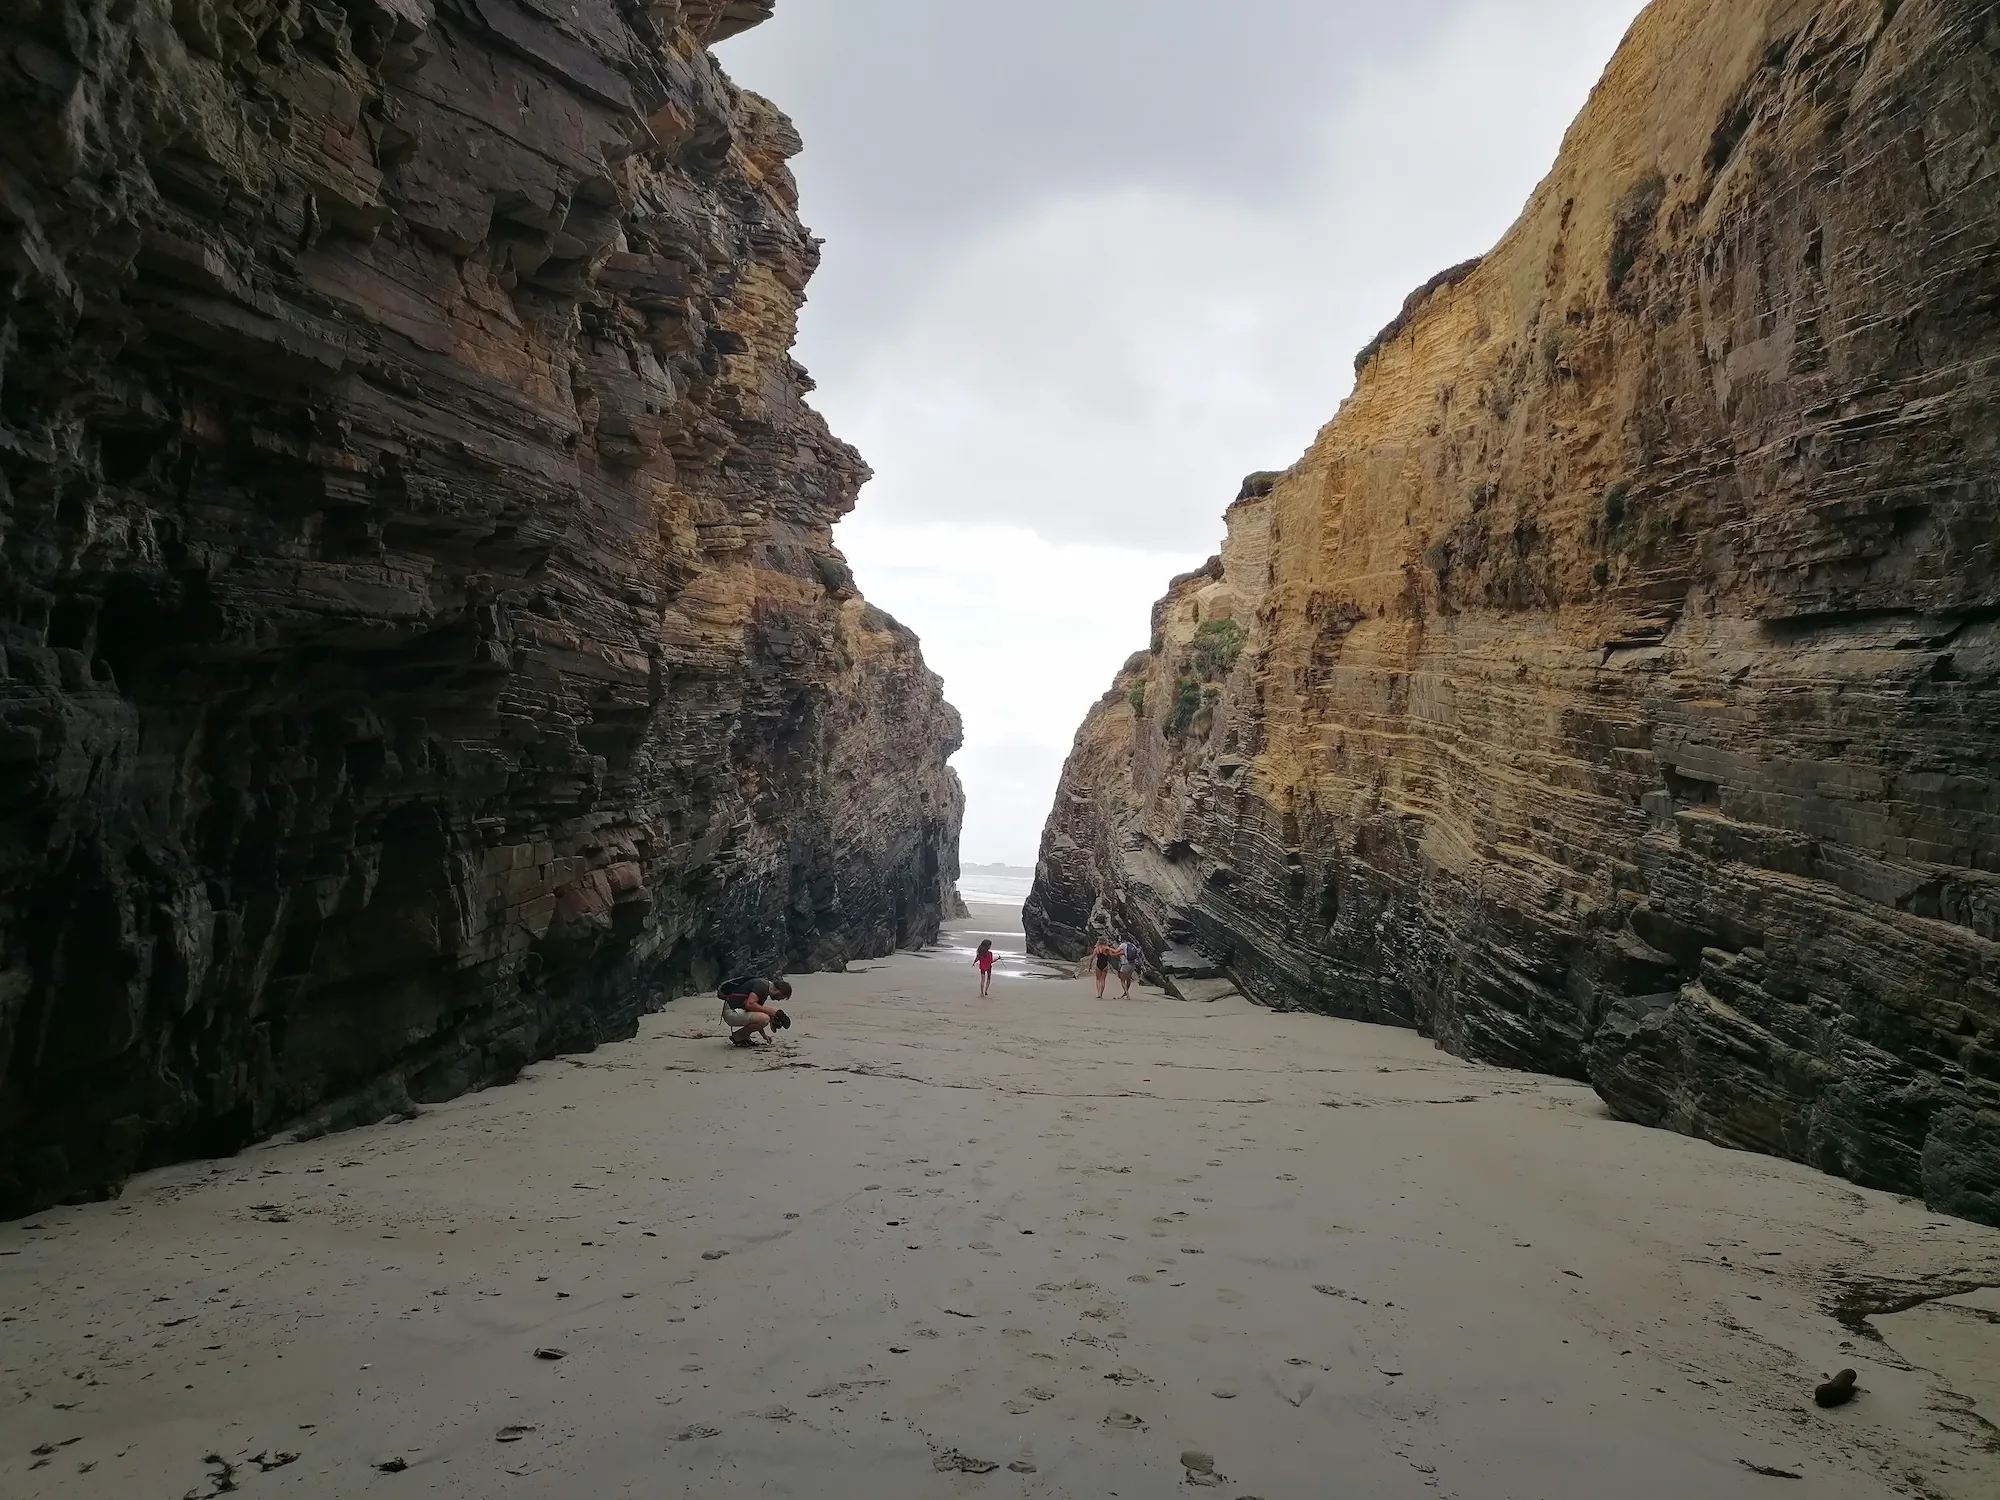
(984, 958)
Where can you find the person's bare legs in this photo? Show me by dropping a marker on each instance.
(1102, 975)
(745, 1036)
(1125, 979)
(985, 982)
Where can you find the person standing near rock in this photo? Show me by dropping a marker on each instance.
(1129, 958)
(984, 958)
(747, 1011)
(1101, 957)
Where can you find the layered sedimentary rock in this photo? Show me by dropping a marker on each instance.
(1614, 688)
(424, 646)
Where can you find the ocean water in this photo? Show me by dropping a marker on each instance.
(1001, 885)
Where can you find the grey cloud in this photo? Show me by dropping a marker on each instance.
(1014, 781)
(924, 115)
(927, 122)
(1086, 270)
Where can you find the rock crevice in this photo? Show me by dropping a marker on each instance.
(424, 643)
(1618, 688)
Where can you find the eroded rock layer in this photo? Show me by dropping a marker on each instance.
(424, 644)
(1614, 688)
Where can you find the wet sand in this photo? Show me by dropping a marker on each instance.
(1038, 1245)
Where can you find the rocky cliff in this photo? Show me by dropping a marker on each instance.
(424, 646)
(1614, 688)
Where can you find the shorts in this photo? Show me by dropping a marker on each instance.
(736, 1020)
(1126, 967)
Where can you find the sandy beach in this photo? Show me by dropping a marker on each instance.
(1039, 1245)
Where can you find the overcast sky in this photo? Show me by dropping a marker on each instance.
(1089, 262)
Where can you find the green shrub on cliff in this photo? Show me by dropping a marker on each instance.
(1217, 644)
(1137, 698)
(1614, 505)
(1187, 703)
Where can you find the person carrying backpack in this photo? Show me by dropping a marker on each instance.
(1129, 959)
(747, 1011)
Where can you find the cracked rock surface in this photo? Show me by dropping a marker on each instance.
(424, 644)
(1614, 688)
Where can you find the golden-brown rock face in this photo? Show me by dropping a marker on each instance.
(1614, 688)
(424, 645)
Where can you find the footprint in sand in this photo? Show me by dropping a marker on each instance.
(1017, 1408)
(1124, 1421)
(1295, 1390)
(946, 1463)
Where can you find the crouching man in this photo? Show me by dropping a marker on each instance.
(747, 1009)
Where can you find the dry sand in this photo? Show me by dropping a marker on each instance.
(1059, 1241)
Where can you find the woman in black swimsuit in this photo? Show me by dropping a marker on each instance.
(1103, 953)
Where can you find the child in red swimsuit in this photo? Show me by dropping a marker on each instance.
(984, 958)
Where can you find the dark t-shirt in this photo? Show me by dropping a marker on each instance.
(738, 989)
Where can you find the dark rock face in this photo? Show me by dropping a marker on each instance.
(424, 646)
(1619, 682)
